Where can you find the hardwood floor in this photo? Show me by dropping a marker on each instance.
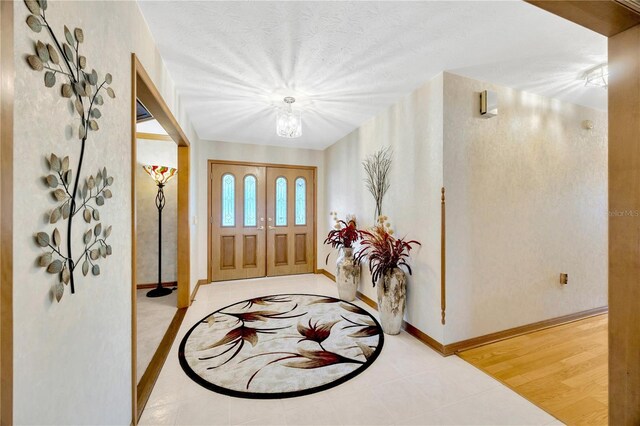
(563, 369)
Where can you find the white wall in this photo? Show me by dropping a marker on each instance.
(72, 360)
(413, 129)
(215, 150)
(526, 200)
(164, 153)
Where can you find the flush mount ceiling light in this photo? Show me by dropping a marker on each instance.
(289, 122)
(597, 76)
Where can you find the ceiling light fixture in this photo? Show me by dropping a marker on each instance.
(597, 76)
(289, 122)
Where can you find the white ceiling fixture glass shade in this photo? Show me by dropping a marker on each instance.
(289, 122)
(597, 76)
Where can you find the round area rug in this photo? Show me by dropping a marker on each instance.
(281, 346)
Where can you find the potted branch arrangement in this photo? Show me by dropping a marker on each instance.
(343, 237)
(386, 256)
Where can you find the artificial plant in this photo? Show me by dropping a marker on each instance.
(377, 167)
(73, 193)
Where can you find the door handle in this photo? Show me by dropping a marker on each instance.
(271, 228)
(261, 228)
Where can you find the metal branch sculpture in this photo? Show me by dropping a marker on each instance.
(73, 193)
(377, 167)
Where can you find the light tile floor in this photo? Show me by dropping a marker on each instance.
(154, 316)
(409, 384)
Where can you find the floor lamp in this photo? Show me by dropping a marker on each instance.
(161, 175)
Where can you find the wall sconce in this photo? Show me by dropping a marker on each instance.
(488, 104)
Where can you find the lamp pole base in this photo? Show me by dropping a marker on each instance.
(159, 292)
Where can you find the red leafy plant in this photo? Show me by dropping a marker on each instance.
(384, 251)
(344, 234)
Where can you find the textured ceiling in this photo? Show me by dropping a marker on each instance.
(233, 62)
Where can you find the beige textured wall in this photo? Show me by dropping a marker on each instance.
(413, 129)
(73, 359)
(526, 200)
(215, 150)
(164, 153)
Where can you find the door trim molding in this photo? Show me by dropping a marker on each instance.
(211, 163)
(143, 88)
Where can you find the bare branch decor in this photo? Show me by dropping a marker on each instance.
(73, 193)
(377, 167)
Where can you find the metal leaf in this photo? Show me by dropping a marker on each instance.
(99, 100)
(65, 275)
(66, 90)
(56, 214)
(107, 193)
(35, 62)
(107, 231)
(42, 51)
(85, 268)
(86, 214)
(68, 52)
(99, 200)
(91, 183)
(43, 4)
(94, 254)
(58, 291)
(109, 250)
(49, 79)
(84, 190)
(79, 107)
(79, 89)
(42, 238)
(111, 93)
(53, 54)
(55, 267)
(99, 177)
(82, 61)
(33, 6)
(104, 172)
(82, 132)
(55, 237)
(93, 77)
(79, 34)
(95, 113)
(110, 180)
(65, 163)
(54, 163)
(103, 251)
(34, 23)
(66, 211)
(87, 89)
(96, 214)
(95, 270)
(59, 194)
(86, 238)
(68, 36)
(52, 181)
(93, 125)
(45, 259)
(97, 230)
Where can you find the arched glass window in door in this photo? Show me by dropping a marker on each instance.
(228, 200)
(301, 201)
(281, 201)
(250, 201)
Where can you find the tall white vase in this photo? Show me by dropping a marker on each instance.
(392, 299)
(347, 274)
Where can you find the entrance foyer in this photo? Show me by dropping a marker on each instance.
(261, 221)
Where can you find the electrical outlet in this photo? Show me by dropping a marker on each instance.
(564, 279)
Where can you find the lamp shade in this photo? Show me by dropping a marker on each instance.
(161, 174)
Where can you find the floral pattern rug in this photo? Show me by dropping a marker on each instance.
(280, 346)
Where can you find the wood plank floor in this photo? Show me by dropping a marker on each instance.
(563, 369)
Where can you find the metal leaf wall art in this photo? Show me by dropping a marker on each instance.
(73, 193)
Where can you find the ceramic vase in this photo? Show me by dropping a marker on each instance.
(347, 274)
(392, 299)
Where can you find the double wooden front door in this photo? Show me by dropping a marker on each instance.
(262, 221)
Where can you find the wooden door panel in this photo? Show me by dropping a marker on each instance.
(290, 236)
(238, 247)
